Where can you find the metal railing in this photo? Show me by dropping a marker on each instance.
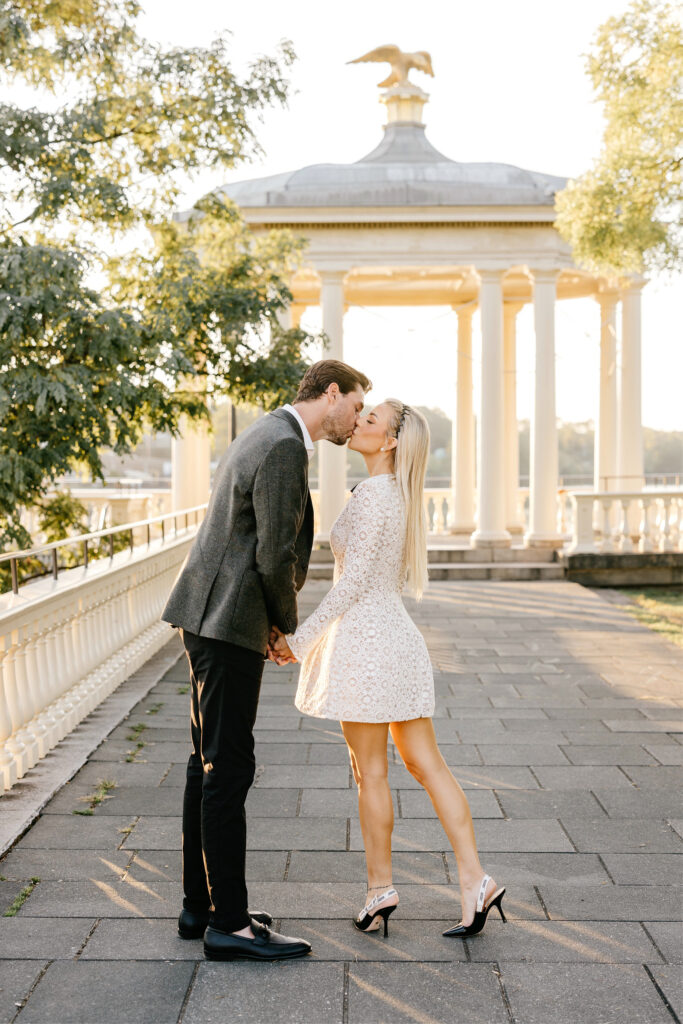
(48, 554)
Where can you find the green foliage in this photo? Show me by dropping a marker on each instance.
(623, 216)
(94, 351)
(61, 515)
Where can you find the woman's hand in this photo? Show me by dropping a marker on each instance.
(278, 648)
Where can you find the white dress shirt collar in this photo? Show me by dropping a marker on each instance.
(310, 448)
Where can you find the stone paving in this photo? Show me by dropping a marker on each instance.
(560, 716)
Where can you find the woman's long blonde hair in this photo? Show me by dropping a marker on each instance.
(411, 431)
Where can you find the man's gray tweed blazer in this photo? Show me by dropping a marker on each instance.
(251, 553)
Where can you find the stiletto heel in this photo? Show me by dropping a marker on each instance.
(461, 931)
(372, 912)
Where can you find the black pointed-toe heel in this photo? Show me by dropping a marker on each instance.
(368, 919)
(462, 931)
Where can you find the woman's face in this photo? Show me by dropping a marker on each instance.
(371, 430)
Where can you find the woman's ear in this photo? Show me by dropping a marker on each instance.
(390, 444)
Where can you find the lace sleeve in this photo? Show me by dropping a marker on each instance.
(365, 533)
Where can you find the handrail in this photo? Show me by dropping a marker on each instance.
(14, 557)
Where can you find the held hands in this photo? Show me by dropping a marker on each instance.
(278, 648)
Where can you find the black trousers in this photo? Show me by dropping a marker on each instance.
(225, 681)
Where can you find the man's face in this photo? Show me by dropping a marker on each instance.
(343, 413)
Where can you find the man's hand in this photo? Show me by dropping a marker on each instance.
(278, 648)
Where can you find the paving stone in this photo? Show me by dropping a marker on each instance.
(668, 936)
(301, 990)
(645, 725)
(667, 754)
(86, 898)
(135, 992)
(615, 739)
(573, 777)
(459, 993)
(40, 938)
(165, 865)
(274, 803)
(350, 867)
(663, 778)
(493, 777)
(645, 868)
(615, 942)
(416, 804)
(16, 979)
(296, 834)
(611, 903)
(540, 993)
(326, 900)
(608, 755)
(153, 733)
(316, 776)
(134, 800)
(518, 836)
(323, 753)
(73, 832)
(645, 802)
(670, 981)
(331, 803)
(149, 939)
(513, 869)
(9, 890)
(23, 863)
(154, 833)
(622, 836)
(408, 940)
(151, 753)
(124, 774)
(541, 803)
(524, 754)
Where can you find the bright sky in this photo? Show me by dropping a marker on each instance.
(509, 86)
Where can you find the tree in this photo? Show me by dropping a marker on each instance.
(95, 349)
(623, 216)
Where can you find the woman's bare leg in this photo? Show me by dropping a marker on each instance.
(420, 753)
(367, 743)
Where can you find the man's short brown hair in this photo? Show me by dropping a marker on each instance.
(318, 378)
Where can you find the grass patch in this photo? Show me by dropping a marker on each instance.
(18, 903)
(184, 689)
(154, 709)
(96, 798)
(127, 830)
(135, 731)
(658, 608)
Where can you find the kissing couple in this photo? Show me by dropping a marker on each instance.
(363, 660)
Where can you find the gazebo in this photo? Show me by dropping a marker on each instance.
(406, 225)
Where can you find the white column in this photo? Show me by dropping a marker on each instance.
(332, 458)
(605, 457)
(630, 459)
(543, 455)
(462, 450)
(491, 530)
(513, 520)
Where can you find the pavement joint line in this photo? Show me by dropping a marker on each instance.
(188, 993)
(129, 865)
(542, 902)
(652, 940)
(398, 803)
(165, 775)
(287, 865)
(348, 835)
(503, 992)
(599, 802)
(446, 867)
(299, 801)
(535, 777)
(607, 871)
(38, 979)
(77, 955)
(661, 994)
(624, 772)
(498, 801)
(345, 993)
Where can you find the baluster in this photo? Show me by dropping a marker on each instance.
(8, 763)
(29, 667)
(607, 538)
(666, 541)
(431, 509)
(15, 744)
(625, 543)
(444, 516)
(46, 681)
(645, 541)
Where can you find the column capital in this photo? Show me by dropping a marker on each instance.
(544, 275)
(490, 274)
(331, 276)
(607, 296)
(464, 309)
(633, 285)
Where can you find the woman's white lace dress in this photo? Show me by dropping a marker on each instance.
(362, 657)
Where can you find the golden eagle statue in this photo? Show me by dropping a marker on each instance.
(401, 63)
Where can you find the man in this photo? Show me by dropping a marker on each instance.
(238, 585)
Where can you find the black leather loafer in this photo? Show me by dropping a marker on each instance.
(193, 926)
(266, 945)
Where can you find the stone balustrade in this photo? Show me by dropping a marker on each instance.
(627, 521)
(67, 643)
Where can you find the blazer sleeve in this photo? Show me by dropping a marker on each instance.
(363, 548)
(279, 498)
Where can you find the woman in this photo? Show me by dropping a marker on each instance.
(364, 662)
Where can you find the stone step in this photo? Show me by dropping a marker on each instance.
(469, 571)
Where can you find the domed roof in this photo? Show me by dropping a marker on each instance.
(404, 170)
